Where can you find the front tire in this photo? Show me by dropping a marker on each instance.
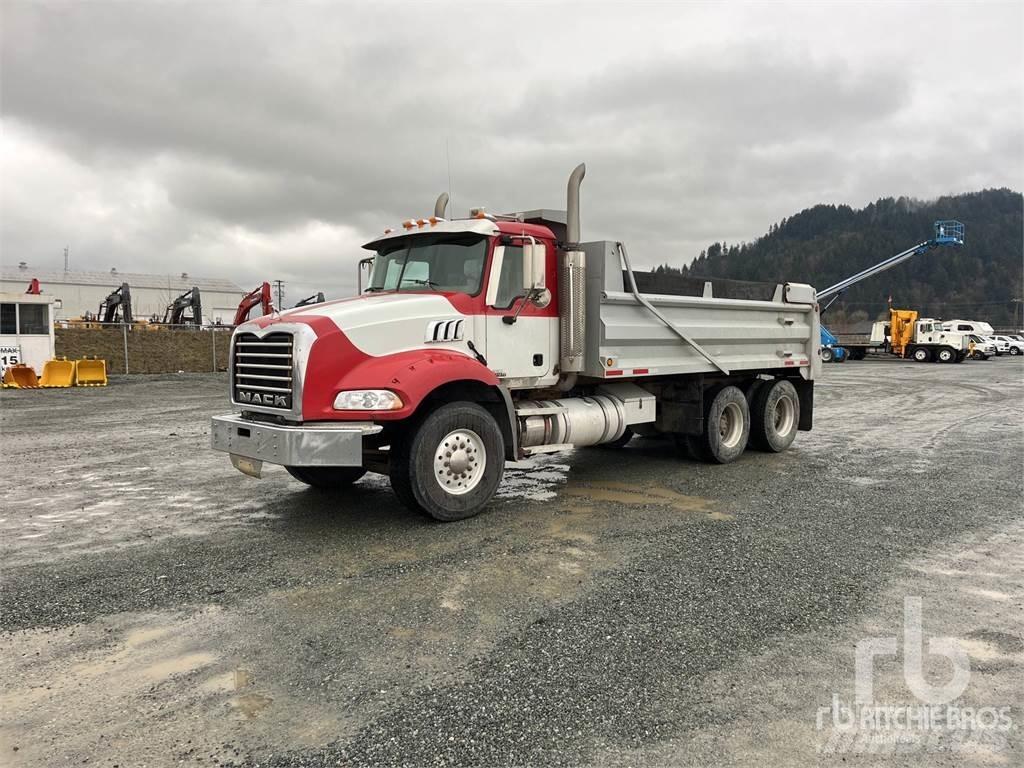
(774, 417)
(451, 465)
(326, 478)
(726, 428)
(946, 355)
(826, 354)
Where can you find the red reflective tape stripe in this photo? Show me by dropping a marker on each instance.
(638, 371)
(790, 362)
(613, 373)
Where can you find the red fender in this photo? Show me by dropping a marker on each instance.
(335, 364)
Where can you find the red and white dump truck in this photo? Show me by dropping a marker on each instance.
(494, 338)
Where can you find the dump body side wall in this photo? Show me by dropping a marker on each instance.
(742, 335)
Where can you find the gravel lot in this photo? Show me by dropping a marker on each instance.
(611, 608)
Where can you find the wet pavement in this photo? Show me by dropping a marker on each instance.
(612, 607)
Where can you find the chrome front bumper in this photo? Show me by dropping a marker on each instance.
(306, 445)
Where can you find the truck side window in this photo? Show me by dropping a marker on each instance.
(964, 328)
(510, 281)
(7, 318)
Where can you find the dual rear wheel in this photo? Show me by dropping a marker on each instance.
(769, 422)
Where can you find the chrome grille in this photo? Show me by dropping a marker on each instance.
(262, 370)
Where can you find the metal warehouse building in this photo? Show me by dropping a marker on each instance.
(79, 292)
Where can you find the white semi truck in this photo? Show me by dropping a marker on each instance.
(906, 335)
(493, 338)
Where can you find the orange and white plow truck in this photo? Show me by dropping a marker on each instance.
(490, 339)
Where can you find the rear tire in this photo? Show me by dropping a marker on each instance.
(726, 428)
(774, 417)
(921, 354)
(451, 464)
(326, 477)
(1014, 351)
(826, 354)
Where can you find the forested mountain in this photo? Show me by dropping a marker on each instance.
(826, 243)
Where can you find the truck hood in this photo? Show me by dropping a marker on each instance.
(382, 324)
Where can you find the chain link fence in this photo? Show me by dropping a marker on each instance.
(149, 348)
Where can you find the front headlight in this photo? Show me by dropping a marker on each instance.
(367, 400)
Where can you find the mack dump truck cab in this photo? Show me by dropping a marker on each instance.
(495, 338)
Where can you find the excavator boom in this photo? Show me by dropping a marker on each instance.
(186, 309)
(257, 298)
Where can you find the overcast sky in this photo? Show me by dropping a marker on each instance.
(269, 140)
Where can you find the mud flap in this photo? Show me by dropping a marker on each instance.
(805, 393)
(250, 467)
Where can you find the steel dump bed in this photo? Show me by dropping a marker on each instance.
(722, 327)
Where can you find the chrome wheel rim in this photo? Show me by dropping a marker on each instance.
(784, 416)
(730, 426)
(459, 461)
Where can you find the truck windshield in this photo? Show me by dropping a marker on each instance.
(441, 263)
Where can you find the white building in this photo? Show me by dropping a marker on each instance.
(26, 330)
(79, 292)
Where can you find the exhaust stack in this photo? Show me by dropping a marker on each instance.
(441, 205)
(572, 206)
(572, 281)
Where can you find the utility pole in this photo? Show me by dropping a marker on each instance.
(279, 285)
(65, 258)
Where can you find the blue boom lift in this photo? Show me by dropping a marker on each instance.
(946, 233)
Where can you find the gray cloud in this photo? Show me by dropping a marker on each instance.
(267, 140)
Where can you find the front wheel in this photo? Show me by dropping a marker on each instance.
(946, 355)
(826, 354)
(326, 477)
(451, 465)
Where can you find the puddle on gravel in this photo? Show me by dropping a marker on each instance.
(636, 495)
(179, 665)
(250, 705)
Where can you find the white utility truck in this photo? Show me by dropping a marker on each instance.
(494, 338)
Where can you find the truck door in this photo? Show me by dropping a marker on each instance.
(523, 352)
